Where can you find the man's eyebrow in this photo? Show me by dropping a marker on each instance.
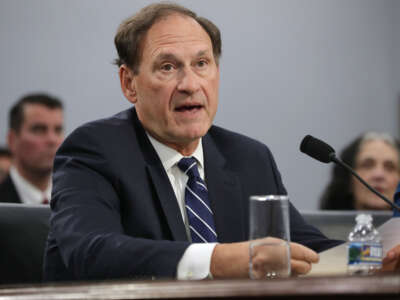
(36, 124)
(162, 57)
(166, 56)
(203, 52)
(170, 56)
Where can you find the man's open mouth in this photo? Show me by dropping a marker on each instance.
(188, 108)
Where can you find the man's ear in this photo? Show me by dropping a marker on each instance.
(126, 78)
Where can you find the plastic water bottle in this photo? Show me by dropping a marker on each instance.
(364, 247)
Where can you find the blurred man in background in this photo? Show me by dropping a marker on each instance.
(35, 133)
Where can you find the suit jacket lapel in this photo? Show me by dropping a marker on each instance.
(161, 183)
(168, 201)
(225, 194)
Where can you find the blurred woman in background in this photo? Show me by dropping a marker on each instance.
(375, 157)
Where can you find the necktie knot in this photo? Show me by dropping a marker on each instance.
(188, 165)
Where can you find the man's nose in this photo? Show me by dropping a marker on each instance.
(54, 137)
(188, 81)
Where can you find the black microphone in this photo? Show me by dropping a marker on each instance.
(324, 153)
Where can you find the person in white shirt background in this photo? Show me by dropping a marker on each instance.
(36, 131)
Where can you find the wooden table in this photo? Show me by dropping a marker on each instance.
(377, 287)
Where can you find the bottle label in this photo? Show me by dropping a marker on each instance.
(364, 253)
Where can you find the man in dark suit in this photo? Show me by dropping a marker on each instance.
(35, 133)
(122, 197)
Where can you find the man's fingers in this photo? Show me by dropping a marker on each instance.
(302, 258)
(269, 255)
(302, 253)
(300, 267)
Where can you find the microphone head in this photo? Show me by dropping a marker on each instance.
(317, 149)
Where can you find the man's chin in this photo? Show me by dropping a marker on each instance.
(190, 139)
(43, 170)
(192, 133)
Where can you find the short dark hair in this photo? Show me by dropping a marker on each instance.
(131, 32)
(338, 193)
(16, 114)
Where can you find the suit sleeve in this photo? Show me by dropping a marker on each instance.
(300, 231)
(86, 219)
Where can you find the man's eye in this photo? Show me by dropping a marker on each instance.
(38, 129)
(167, 67)
(59, 130)
(201, 63)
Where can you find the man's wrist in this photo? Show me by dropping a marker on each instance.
(230, 260)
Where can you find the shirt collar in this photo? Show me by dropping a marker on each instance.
(170, 157)
(28, 193)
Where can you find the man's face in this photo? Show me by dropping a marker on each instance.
(176, 88)
(35, 144)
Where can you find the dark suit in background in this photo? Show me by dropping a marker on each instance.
(8, 192)
(23, 232)
(115, 213)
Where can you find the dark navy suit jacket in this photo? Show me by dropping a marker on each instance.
(114, 212)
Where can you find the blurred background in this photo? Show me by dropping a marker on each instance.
(330, 68)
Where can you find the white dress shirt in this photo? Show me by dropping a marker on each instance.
(28, 193)
(195, 262)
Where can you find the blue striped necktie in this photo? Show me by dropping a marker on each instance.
(201, 218)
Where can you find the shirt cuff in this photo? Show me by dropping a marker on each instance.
(195, 262)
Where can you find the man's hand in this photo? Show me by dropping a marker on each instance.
(232, 260)
(391, 262)
(302, 258)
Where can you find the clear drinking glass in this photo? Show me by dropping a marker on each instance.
(269, 217)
